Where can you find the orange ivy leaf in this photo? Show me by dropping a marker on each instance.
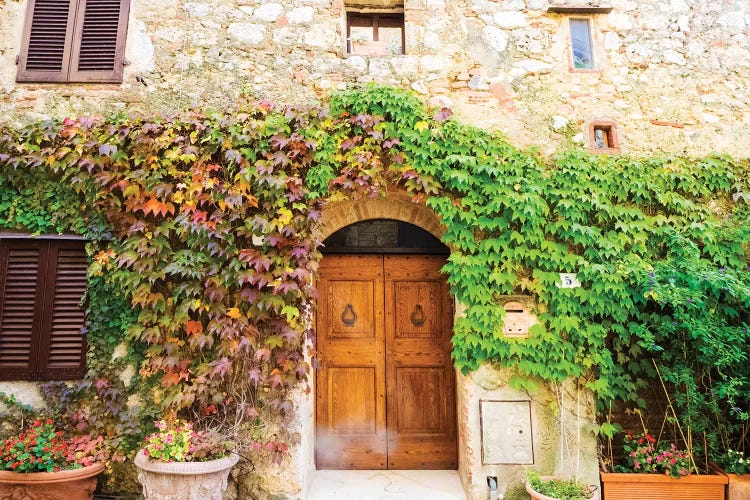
(157, 207)
(194, 327)
(170, 379)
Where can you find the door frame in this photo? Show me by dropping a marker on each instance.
(393, 204)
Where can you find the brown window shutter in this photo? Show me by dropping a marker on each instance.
(21, 270)
(42, 283)
(45, 44)
(62, 357)
(99, 41)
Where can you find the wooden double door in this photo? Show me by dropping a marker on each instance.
(385, 390)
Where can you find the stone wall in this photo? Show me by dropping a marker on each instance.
(561, 418)
(673, 74)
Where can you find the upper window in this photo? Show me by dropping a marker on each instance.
(42, 283)
(73, 41)
(374, 34)
(580, 44)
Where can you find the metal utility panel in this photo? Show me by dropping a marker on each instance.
(506, 432)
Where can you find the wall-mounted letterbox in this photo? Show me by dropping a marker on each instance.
(518, 317)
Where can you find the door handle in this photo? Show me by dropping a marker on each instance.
(349, 317)
(418, 316)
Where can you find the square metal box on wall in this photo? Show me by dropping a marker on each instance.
(506, 432)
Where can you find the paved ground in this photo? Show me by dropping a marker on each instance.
(386, 485)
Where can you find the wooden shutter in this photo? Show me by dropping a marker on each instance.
(63, 349)
(74, 41)
(46, 41)
(41, 286)
(99, 41)
(19, 277)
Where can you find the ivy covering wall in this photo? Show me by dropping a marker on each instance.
(202, 232)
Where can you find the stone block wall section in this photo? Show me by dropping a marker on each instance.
(674, 74)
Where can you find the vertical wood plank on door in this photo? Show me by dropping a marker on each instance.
(419, 373)
(350, 384)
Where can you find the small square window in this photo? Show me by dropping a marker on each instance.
(603, 137)
(374, 34)
(580, 44)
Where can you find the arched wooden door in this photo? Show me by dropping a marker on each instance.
(385, 390)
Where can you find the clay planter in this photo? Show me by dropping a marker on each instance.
(184, 480)
(535, 495)
(73, 484)
(625, 486)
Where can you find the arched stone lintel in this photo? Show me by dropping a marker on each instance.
(396, 205)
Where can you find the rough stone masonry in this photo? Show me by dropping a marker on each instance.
(672, 74)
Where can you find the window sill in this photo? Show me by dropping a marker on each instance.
(605, 151)
(354, 54)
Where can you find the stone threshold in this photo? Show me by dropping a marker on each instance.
(386, 485)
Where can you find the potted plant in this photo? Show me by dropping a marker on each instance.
(40, 462)
(657, 471)
(737, 469)
(181, 463)
(554, 488)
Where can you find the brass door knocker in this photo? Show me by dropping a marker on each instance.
(417, 316)
(349, 317)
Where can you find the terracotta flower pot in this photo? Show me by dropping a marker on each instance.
(184, 480)
(73, 484)
(535, 495)
(626, 486)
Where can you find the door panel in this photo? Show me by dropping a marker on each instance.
(418, 309)
(350, 409)
(419, 374)
(417, 385)
(352, 395)
(386, 386)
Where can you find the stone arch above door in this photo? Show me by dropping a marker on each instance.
(395, 205)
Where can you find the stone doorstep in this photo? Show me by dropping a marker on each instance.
(386, 485)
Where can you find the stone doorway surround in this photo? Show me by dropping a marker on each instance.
(559, 418)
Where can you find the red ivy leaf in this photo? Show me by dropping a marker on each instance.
(220, 367)
(254, 376)
(443, 114)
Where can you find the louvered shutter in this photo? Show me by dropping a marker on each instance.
(99, 41)
(41, 286)
(62, 356)
(21, 303)
(46, 42)
(74, 41)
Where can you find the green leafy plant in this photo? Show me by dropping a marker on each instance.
(176, 441)
(41, 447)
(733, 462)
(560, 489)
